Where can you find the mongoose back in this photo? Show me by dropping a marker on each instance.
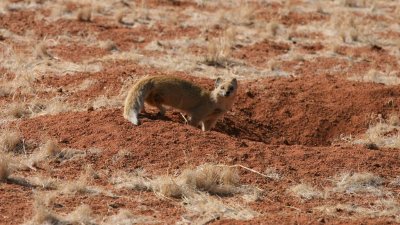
(202, 106)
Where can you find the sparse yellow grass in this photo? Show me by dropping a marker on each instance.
(273, 28)
(273, 174)
(125, 217)
(380, 77)
(81, 215)
(108, 45)
(36, 107)
(242, 15)
(384, 133)
(214, 179)
(136, 181)
(305, 192)
(51, 148)
(358, 183)
(219, 49)
(79, 186)
(46, 183)
(5, 90)
(5, 168)
(200, 189)
(16, 110)
(167, 187)
(11, 141)
(380, 208)
(47, 151)
(356, 3)
(42, 213)
(104, 101)
(395, 182)
(41, 51)
(85, 14)
(203, 209)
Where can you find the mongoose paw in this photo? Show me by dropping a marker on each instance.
(160, 114)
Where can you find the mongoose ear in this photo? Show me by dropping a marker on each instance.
(218, 81)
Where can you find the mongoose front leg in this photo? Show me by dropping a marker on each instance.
(194, 120)
(208, 124)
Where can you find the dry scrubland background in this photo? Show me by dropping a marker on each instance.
(315, 117)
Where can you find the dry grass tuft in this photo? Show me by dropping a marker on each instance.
(219, 49)
(214, 179)
(103, 101)
(242, 15)
(90, 173)
(384, 133)
(5, 168)
(109, 45)
(121, 18)
(16, 110)
(167, 187)
(81, 215)
(125, 217)
(41, 51)
(272, 174)
(42, 212)
(378, 209)
(355, 3)
(5, 90)
(85, 14)
(395, 182)
(49, 107)
(44, 183)
(11, 141)
(79, 186)
(203, 209)
(134, 181)
(49, 150)
(379, 77)
(194, 188)
(358, 183)
(44, 215)
(273, 28)
(305, 191)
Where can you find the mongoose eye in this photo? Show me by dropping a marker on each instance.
(222, 88)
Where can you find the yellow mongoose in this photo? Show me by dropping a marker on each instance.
(201, 105)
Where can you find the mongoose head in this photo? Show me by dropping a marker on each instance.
(225, 87)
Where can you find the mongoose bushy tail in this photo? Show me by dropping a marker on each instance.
(134, 102)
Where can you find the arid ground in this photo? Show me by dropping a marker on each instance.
(313, 137)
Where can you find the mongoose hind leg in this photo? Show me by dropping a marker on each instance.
(156, 101)
(161, 109)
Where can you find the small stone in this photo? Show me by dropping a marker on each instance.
(372, 146)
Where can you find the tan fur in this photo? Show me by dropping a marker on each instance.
(202, 106)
